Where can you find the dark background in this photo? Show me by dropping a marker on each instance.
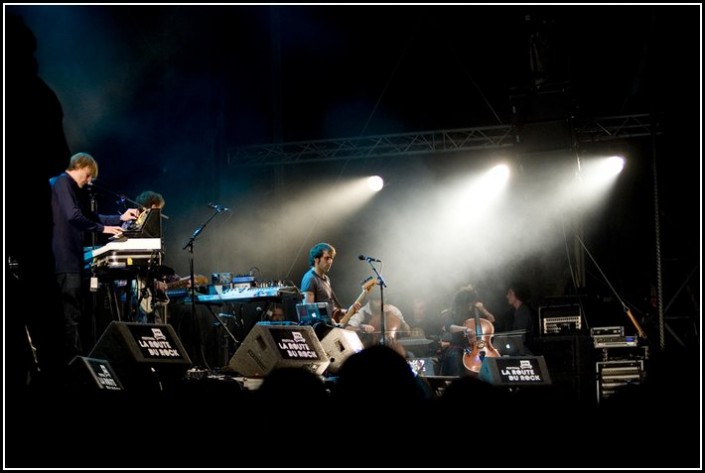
(160, 95)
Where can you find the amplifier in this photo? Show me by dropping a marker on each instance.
(623, 353)
(613, 375)
(561, 325)
(560, 320)
(609, 342)
(607, 331)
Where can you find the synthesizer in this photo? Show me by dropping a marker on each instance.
(249, 294)
(123, 254)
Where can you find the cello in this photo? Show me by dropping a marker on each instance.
(479, 332)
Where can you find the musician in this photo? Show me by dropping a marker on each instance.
(520, 319)
(151, 291)
(72, 219)
(316, 285)
(368, 320)
(466, 303)
(151, 200)
(277, 314)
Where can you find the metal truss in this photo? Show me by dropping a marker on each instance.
(618, 127)
(440, 141)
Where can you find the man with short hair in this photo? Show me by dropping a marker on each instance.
(72, 219)
(316, 284)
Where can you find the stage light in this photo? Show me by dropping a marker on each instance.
(497, 177)
(484, 188)
(375, 183)
(599, 172)
(613, 165)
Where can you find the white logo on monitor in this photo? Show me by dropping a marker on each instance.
(298, 337)
(158, 335)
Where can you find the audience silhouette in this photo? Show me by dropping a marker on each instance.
(36, 149)
(374, 414)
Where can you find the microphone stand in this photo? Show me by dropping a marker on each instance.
(196, 334)
(94, 281)
(382, 285)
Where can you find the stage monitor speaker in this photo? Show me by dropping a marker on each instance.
(268, 347)
(515, 371)
(93, 374)
(338, 345)
(143, 355)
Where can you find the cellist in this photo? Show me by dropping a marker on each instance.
(456, 336)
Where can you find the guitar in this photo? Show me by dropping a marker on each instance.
(199, 280)
(152, 300)
(366, 288)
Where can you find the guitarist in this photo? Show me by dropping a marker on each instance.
(316, 285)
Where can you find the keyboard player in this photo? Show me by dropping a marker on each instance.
(151, 288)
(130, 265)
(74, 218)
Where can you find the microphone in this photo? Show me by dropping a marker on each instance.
(368, 258)
(218, 207)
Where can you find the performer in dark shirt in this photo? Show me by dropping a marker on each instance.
(72, 217)
(315, 283)
(521, 318)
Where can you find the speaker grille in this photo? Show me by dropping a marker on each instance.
(339, 344)
(138, 352)
(267, 347)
